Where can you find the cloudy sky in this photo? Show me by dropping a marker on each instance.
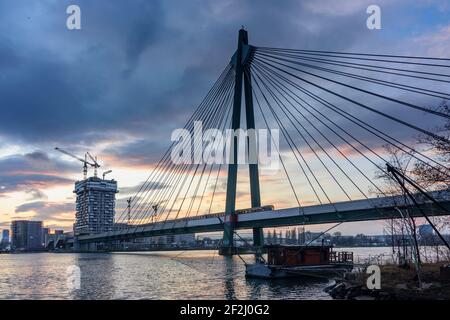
(137, 69)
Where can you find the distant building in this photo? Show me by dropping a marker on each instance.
(184, 239)
(4, 242)
(95, 205)
(425, 230)
(169, 240)
(45, 234)
(26, 235)
(120, 226)
(5, 235)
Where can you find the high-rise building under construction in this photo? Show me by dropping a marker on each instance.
(95, 205)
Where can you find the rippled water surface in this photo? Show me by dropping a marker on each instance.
(147, 275)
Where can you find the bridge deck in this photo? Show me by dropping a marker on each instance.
(348, 211)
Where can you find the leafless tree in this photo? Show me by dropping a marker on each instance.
(403, 226)
(435, 177)
(428, 175)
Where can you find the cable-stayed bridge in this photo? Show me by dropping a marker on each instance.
(338, 114)
(348, 211)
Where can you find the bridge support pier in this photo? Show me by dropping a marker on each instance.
(84, 247)
(92, 247)
(243, 52)
(76, 245)
(228, 232)
(258, 237)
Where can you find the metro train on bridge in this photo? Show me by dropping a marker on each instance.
(222, 214)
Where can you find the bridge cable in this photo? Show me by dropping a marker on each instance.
(277, 88)
(367, 67)
(199, 116)
(290, 93)
(407, 104)
(165, 156)
(367, 59)
(361, 124)
(290, 144)
(184, 167)
(339, 167)
(278, 151)
(224, 116)
(229, 85)
(197, 166)
(350, 179)
(304, 139)
(357, 54)
(227, 121)
(426, 132)
(414, 89)
(356, 167)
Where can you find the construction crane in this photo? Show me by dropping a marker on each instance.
(105, 173)
(155, 211)
(84, 161)
(95, 165)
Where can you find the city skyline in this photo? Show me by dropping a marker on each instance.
(165, 60)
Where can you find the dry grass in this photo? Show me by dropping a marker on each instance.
(403, 283)
(393, 275)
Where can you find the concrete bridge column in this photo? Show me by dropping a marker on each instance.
(92, 247)
(258, 237)
(84, 246)
(243, 53)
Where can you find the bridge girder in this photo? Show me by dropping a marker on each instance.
(267, 219)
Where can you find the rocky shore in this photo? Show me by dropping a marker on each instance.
(344, 290)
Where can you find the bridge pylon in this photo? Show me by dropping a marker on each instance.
(239, 60)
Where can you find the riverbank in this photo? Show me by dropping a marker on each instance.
(397, 283)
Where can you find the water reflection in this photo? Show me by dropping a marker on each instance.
(304, 288)
(162, 275)
(230, 293)
(96, 271)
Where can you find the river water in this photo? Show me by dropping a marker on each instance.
(146, 275)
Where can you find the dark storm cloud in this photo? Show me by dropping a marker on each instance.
(68, 82)
(31, 172)
(139, 68)
(36, 161)
(45, 209)
(74, 82)
(62, 213)
(141, 152)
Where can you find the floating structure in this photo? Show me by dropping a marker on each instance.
(285, 261)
